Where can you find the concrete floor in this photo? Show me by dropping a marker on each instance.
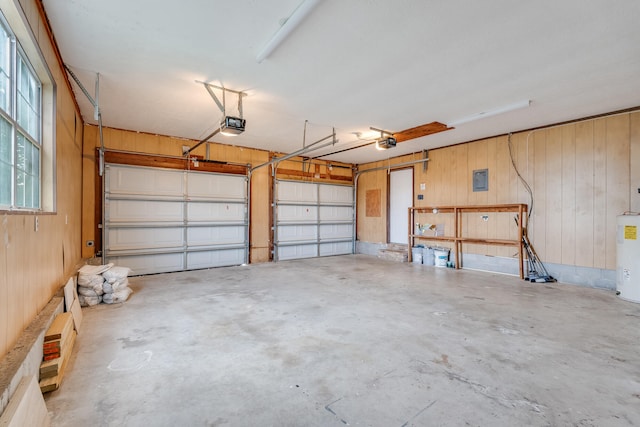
(355, 341)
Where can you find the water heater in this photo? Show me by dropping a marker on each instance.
(628, 259)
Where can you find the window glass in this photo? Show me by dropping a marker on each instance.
(27, 173)
(20, 173)
(20, 125)
(5, 162)
(5, 69)
(28, 99)
(36, 178)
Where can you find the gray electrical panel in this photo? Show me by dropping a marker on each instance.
(481, 180)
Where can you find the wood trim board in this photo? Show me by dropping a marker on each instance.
(196, 163)
(70, 294)
(26, 407)
(76, 311)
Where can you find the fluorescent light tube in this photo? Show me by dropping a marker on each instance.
(489, 113)
(289, 25)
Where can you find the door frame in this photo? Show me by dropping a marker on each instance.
(389, 197)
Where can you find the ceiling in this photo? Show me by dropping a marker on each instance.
(350, 65)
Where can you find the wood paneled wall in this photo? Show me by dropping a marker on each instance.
(35, 264)
(582, 176)
(260, 228)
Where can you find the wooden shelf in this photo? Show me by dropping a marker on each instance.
(459, 240)
(500, 242)
(423, 237)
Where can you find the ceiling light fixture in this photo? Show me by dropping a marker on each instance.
(287, 27)
(489, 113)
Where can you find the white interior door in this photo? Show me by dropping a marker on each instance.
(400, 199)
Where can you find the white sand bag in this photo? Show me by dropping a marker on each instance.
(89, 281)
(94, 269)
(122, 283)
(116, 273)
(121, 295)
(107, 287)
(87, 292)
(97, 288)
(87, 301)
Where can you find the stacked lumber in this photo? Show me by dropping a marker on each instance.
(57, 347)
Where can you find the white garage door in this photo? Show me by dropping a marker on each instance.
(313, 220)
(161, 220)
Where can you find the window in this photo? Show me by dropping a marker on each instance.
(20, 126)
(27, 115)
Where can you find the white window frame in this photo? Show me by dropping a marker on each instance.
(39, 137)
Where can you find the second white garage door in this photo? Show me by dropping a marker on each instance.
(312, 220)
(161, 220)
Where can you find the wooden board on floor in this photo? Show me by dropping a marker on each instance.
(59, 327)
(51, 368)
(70, 294)
(52, 347)
(76, 311)
(26, 407)
(53, 383)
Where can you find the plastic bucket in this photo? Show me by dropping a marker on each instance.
(441, 257)
(416, 255)
(428, 257)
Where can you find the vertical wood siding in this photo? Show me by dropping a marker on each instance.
(34, 265)
(582, 175)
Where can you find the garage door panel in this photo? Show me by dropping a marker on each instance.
(313, 220)
(143, 211)
(212, 212)
(297, 252)
(152, 227)
(144, 181)
(297, 192)
(140, 238)
(217, 258)
(336, 213)
(336, 231)
(149, 264)
(291, 233)
(289, 213)
(216, 186)
(338, 194)
(206, 236)
(335, 248)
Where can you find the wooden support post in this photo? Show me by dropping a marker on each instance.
(457, 234)
(520, 246)
(410, 241)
